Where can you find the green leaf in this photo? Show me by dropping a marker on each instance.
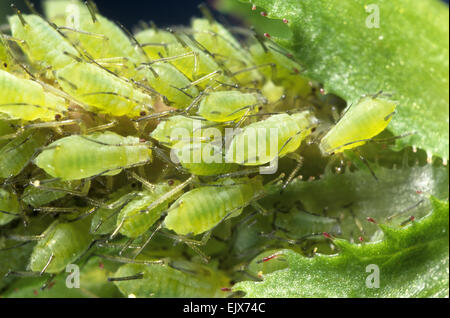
(408, 55)
(412, 262)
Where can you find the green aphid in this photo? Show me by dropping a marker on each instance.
(144, 210)
(261, 142)
(280, 68)
(225, 106)
(62, 244)
(19, 152)
(203, 208)
(176, 129)
(9, 206)
(27, 100)
(363, 121)
(164, 281)
(41, 42)
(203, 159)
(79, 157)
(105, 218)
(226, 49)
(103, 92)
(155, 41)
(168, 81)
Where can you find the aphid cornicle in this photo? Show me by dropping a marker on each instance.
(102, 91)
(201, 209)
(9, 206)
(42, 43)
(363, 121)
(62, 244)
(78, 157)
(135, 218)
(225, 106)
(27, 100)
(15, 155)
(255, 144)
(165, 281)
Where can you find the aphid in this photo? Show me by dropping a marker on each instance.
(62, 244)
(300, 224)
(136, 218)
(102, 91)
(40, 193)
(102, 39)
(105, 218)
(27, 100)
(155, 41)
(159, 281)
(19, 152)
(226, 49)
(169, 82)
(6, 130)
(226, 106)
(203, 159)
(5, 58)
(201, 209)
(279, 67)
(42, 43)
(277, 136)
(179, 128)
(78, 157)
(363, 121)
(9, 206)
(268, 262)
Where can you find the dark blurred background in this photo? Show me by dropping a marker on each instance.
(129, 12)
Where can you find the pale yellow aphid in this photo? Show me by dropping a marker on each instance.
(102, 91)
(27, 100)
(363, 121)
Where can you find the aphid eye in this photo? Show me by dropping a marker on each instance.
(143, 113)
(142, 141)
(5, 65)
(264, 14)
(170, 182)
(260, 108)
(58, 117)
(313, 129)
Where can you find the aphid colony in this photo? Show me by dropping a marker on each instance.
(105, 136)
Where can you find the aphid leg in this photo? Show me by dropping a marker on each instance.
(405, 210)
(107, 126)
(124, 260)
(196, 101)
(258, 207)
(19, 14)
(56, 210)
(14, 246)
(235, 174)
(273, 67)
(94, 35)
(126, 278)
(157, 229)
(50, 259)
(202, 79)
(48, 282)
(294, 172)
(366, 163)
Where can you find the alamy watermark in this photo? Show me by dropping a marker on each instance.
(73, 279)
(373, 280)
(373, 20)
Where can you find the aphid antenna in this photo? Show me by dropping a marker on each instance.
(273, 67)
(92, 8)
(29, 274)
(197, 100)
(177, 37)
(15, 246)
(294, 172)
(150, 89)
(147, 185)
(158, 115)
(19, 14)
(206, 12)
(133, 39)
(56, 210)
(152, 234)
(84, 215)
(182, 91)
(412, 207)
(124, 260)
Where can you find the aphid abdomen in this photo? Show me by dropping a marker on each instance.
(17, 153)
(161, 281)
(363, 121)
(135, 219)
(78, 157)
(101, 90)
(154, 42)
(8, 203)
(26, 100)
(62, 244)
(169, 83)
(228, 105)
(43, 44)
(281, 134)
(201, 209)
